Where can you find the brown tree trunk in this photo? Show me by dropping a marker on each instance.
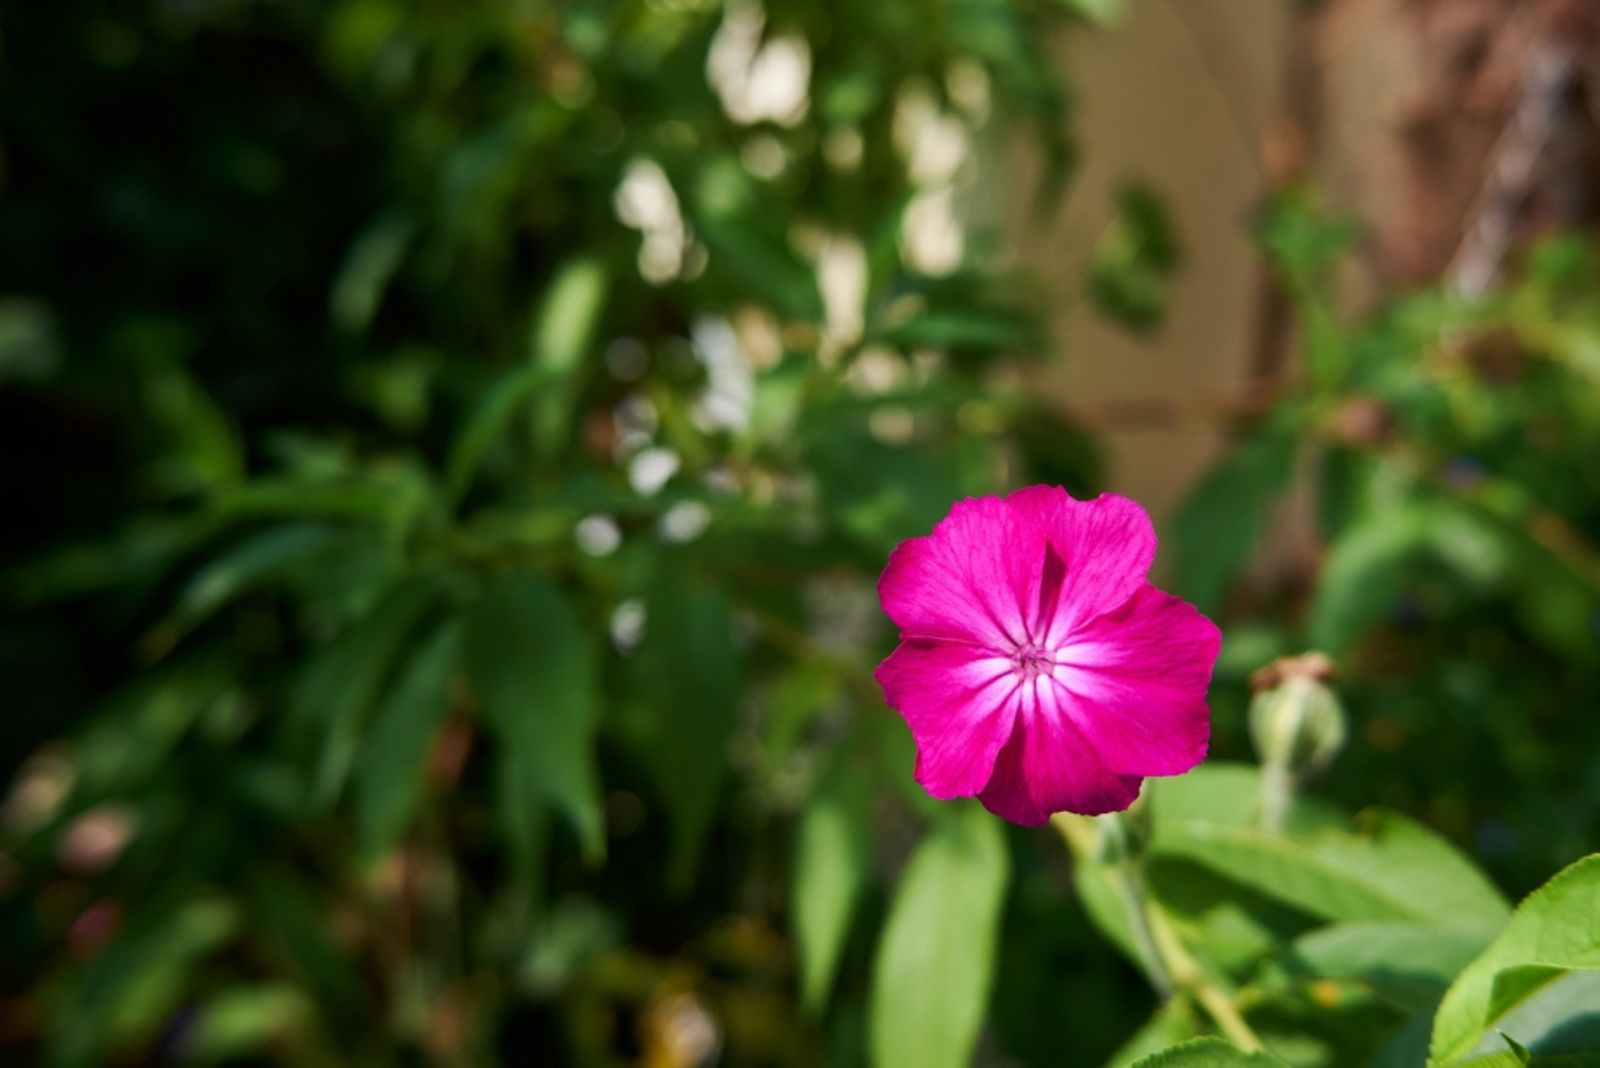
(1456, 129)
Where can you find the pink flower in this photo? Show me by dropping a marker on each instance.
(1038, 669)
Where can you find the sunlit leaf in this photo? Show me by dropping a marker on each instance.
(1173, 1023)
(831, 864)
(936, 960)
(1388, 869)
(245, 1019)
(1552, 933)
(557, 343)
(1554, 1022)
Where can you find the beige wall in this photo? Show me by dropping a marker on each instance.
(1176, 100)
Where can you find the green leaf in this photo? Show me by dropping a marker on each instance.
(1170, 1025)
(1552, 932)
(289, 925)
(142, 977)
(368, 267)
(1234, 926)
(1517, 1048)
(877, 493)
(1362, 574)
(1554, 1022)
(393, 496)
(689, 673)
(1368, 566)
(1096, 883)
(936, 960)
(389, 773)
(337, 692)
(1221, 793)
(140, 552)
(533, 667)
(1389, 869)
(556, 346)
(803, 693)
(831, 864)
(129, 747)
(1303, 240)
(1217, 526)
(982, 329)
(30, 342)
(1407, 1047)
(1100, 12)
(488, 422)
(547, 380)
(258, 560)
(240, 1020)
(759, 256)
(1409, 964)
(206, 453)
(1207, 1053)
(1134, 260)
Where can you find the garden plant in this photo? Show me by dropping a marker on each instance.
(534, 537)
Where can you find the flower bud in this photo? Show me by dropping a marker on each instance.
(1297, 725)
(1295, 718)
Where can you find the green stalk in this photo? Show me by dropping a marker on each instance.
(1171, 968)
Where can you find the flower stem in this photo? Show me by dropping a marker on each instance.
(1277, 772)
(1135, 902)
(1170, 966)
(1277, 794)
(1227, 1017)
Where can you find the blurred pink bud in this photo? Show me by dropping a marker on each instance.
(94, 841)
(93, 928)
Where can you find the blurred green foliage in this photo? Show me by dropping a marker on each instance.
(1446, 443)
(454, 446)
(468, 436)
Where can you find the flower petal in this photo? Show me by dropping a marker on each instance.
(975, 578)
(957, 700)
(1135, 682)
(1103, 547)
(1048, 765)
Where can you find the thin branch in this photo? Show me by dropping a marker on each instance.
(1550, 73)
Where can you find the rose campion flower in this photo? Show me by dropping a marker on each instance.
(1038, 669)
